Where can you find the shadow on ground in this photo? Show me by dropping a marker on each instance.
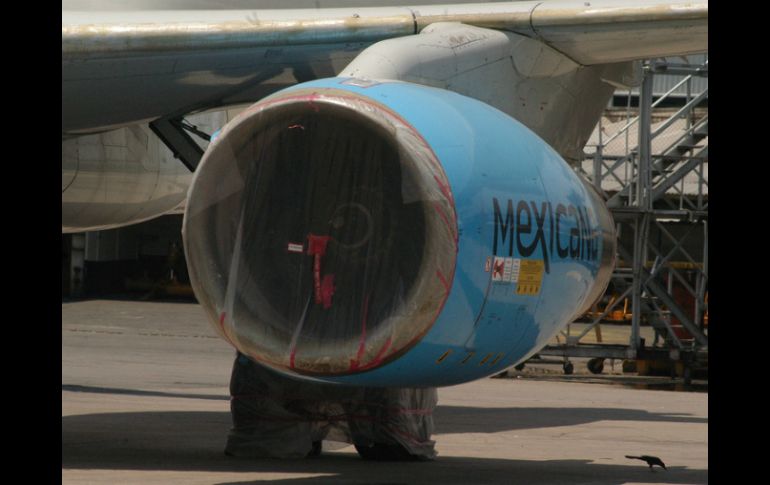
(448, 419)
(454, 470)
(194, 441)
(114, 452)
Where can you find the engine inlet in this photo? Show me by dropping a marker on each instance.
(320, 233)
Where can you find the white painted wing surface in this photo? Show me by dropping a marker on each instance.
(590, 32)
(148, 64)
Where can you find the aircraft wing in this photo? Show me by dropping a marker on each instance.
(145, 65)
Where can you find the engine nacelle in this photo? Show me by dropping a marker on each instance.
(390, 234)
(118, 178)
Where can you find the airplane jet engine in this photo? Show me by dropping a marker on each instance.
(386, 233)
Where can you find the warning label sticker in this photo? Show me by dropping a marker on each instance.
(506, 270)
(498, 267)
(295, 248)
(530, 277)
(512, 269)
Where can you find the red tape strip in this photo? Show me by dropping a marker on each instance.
(323, 291)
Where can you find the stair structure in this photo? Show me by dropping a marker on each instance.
(652, 170)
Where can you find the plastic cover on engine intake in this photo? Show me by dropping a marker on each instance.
(320, 233)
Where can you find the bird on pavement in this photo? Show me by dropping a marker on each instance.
(651, 460)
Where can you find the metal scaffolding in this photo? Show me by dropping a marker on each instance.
(657, 185)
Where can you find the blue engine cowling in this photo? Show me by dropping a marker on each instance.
(390, 234)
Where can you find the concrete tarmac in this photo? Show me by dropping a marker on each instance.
(145, 401)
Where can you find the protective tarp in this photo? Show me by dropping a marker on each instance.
(320, 233)
(275, 416)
